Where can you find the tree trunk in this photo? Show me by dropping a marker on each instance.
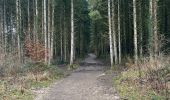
(18, 29)
(110, 33)
(29, 34)
(45, 30)
(65, 37)
(72, 33)
(114, 33)
(155, 28)
(49, 32)
(119, 41)
(150, 26)
(52, 30)
(61, 38)
(140, 30)
(135, 32)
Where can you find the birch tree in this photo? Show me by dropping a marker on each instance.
(52, 30)
(49, 32)
(114, 33)
(135, 32)
(72, 33)
(110, 32)
(45, 30)
(119, 41)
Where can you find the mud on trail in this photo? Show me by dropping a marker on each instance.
(88, 82)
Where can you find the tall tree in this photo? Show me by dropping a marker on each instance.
(155, 27)
(150, 26)
(18, 28)
(45, 30)
(135, 31)
(49, 32)
(110, 32)
(114, 33)
(72, 33)
(119, 40)
(52, 30)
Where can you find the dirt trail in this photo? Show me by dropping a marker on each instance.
(87, 83)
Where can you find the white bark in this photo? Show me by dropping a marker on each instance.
(45, 30)
(119, 41)
(52, 30)
(110, 33)
(72, 33)
(135, 32)
(114, 34)
(49, 33)
(151, 29)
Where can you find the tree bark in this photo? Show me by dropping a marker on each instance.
(18, 29)
(155, 28)
(49, 32)
(72, 33)
(119, 40)
(135, 32)
(45, 31)
(110, 33)
(114, 34)
(52, 31)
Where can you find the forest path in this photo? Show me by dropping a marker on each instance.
(88, 82)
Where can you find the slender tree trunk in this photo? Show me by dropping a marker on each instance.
(65, 37)
(18, 28)
(119, 41)
(28, 8)
(72, 33)
(61, 38)
(150, 26)
(155, 28)
(110, 33)
(52, 30)
(49, 32)
(5, 28)
(114, 33)
(140, 30)
(45, 30)
(36, 21)
(135, 32)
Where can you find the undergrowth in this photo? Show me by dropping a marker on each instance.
(19, 84)
(149, 80)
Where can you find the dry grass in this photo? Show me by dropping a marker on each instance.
(150, 79)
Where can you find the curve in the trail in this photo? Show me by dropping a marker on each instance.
(84, 84)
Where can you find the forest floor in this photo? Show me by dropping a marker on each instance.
(88, 82)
